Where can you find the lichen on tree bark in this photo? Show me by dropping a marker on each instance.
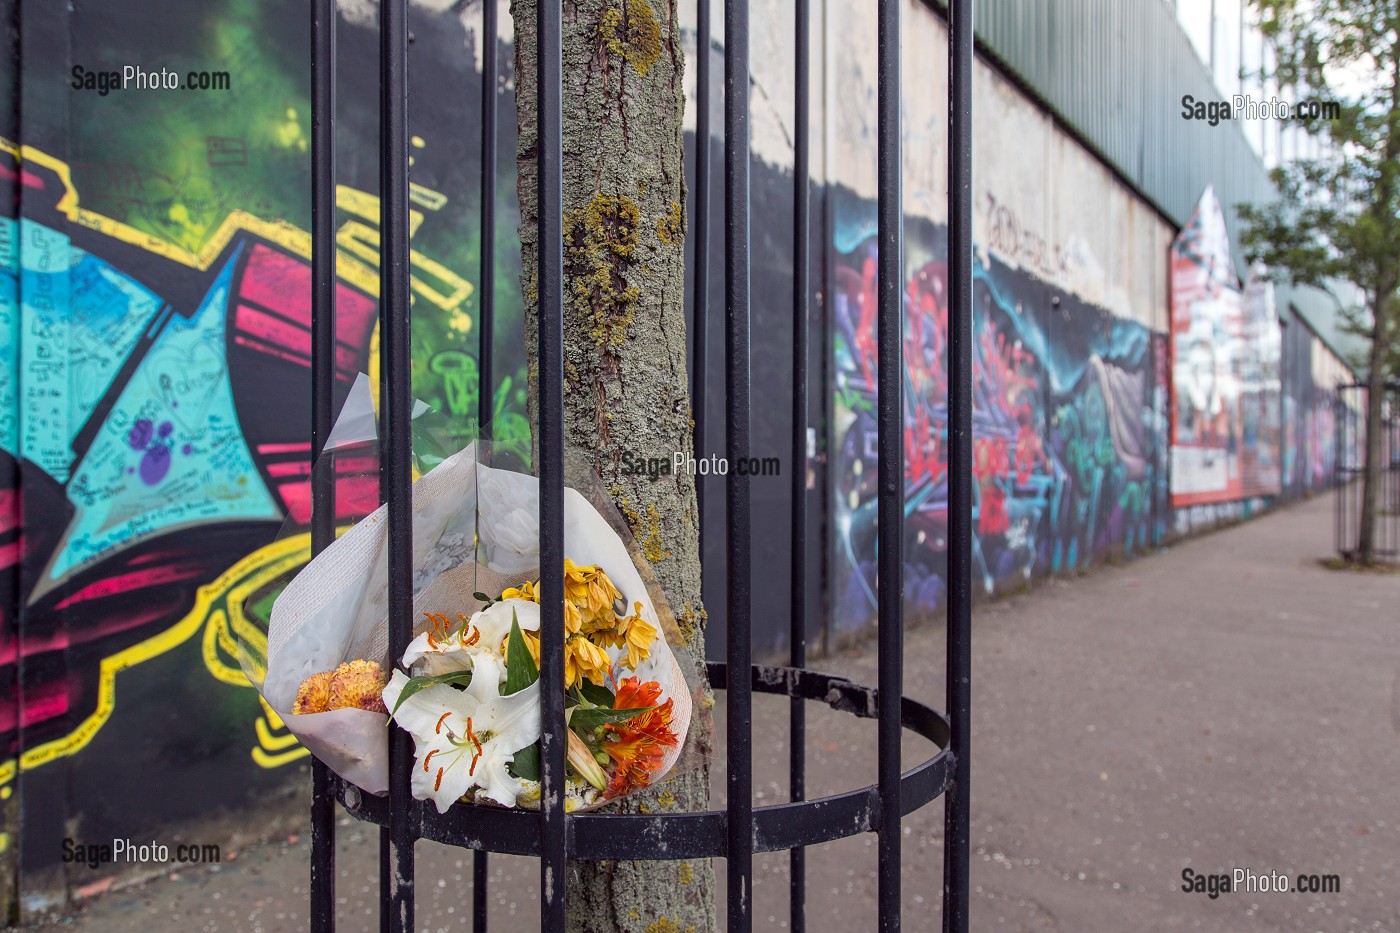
(626, 387)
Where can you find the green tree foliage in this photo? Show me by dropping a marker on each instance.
(1337, 217)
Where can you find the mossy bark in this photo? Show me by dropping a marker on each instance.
(626, 388)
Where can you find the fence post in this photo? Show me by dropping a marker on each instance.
(958, 803)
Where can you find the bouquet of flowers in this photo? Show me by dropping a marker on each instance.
(473, 704)
(470, 694)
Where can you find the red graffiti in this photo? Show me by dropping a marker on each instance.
(990, 458)
(924, 449)
(1030, 451)
(992, 518)
(991, 463)
(925, 342)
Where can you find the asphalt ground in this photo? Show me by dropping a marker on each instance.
(1228, 703)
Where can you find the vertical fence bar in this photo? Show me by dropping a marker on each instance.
(700, 285)
(801, 272)
(1341, 488)
(738, 696)
(890, 442)
(396, 412)
(553, 831)
(826, 400)
(1393, 489)
(958, 805)
(486, 322)
(323, 281)
(486, 382)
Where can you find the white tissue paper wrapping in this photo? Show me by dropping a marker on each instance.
(335, 610)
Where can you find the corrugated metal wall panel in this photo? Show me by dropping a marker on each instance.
(1115, 72)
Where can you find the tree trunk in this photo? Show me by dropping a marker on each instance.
(626, 389)
(1375, 402)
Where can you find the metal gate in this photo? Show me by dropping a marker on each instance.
(735, 834)
(1349, 468)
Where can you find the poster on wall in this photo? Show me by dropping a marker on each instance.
(1224, 384)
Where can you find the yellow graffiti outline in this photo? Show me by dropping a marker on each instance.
(254, 569)
(227, 623)
(275, 555)
(291, 238)
(228, 626)
(269, 752)
(233, 586)
(263, 760)
(270, 741)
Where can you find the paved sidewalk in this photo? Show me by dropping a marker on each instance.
(1228, 703)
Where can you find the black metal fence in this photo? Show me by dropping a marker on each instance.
(1349, 468)
(735, 834)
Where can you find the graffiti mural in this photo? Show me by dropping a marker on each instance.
(149, 456)
(1066, 466)
(154, 366)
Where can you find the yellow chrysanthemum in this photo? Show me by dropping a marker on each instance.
(576, 581)
(588, 607)
(352, 685)
(314, 694)
(358, 685)
(582, 658)
(635, 634)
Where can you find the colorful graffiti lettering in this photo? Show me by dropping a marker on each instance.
(1065, 445)
(160, 440)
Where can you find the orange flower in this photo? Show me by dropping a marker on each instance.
(637, 745)
(313, 694)
(633, 694)
(358, 685)
(354, 685)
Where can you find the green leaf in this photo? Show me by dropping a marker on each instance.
(418, 683)
(482, 597)
(597, 694)
(525, 764)
(585, 720)
(520, 667)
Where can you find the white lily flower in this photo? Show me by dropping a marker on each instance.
(494, 621)
(464, 739)
(454, 652)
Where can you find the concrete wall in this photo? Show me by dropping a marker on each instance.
(1069, 309)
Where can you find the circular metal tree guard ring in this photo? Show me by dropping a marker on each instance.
(644, 836)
